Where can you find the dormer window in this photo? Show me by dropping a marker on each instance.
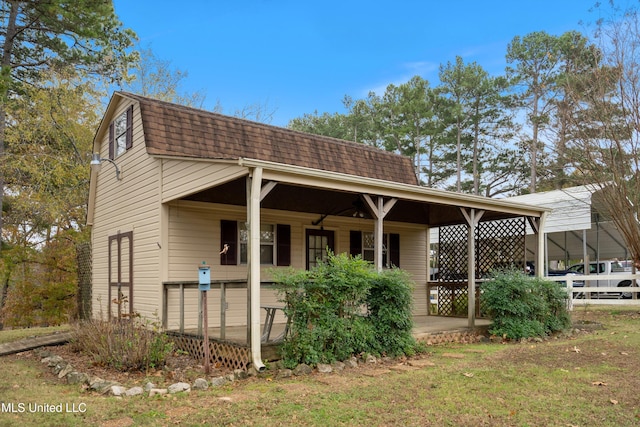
(120, 133)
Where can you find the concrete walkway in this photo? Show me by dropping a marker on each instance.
(35, 342)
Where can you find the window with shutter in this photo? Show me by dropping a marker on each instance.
(275, 243)
(362, 243)
(121, 133)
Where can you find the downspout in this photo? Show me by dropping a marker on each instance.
(253, 217)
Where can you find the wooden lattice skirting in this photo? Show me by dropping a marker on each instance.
(226, 354)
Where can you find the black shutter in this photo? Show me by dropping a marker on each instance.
(283, 234)
(229, 237)
(129, 137)
(111, 142)
(394, 250)
(355, 243)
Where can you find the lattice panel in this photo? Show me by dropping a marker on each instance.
(500, 245)
(453, 301)
(220, 353)
(452, 262)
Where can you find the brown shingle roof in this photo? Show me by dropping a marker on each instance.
(176, 130)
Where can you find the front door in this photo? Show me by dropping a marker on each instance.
(121, 275)
(319, 242)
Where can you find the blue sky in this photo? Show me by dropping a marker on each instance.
(301, 56)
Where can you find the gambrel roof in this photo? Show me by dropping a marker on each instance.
(175, 130)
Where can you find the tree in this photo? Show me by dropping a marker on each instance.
(155, 78)
(536, 59)
(48, 144)
(43, 34)
(607, 149)
(333, 125)
(483, 123)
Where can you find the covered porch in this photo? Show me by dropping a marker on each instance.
(326, 199)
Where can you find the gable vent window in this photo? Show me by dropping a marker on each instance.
(121, 133)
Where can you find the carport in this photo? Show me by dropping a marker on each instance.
(576, 228)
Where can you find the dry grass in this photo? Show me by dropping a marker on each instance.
(588, 378)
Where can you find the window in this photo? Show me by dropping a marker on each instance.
(121, 134)
(275, 243)
(267, 240)
(362, 243)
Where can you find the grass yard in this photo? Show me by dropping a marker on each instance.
(585, 379)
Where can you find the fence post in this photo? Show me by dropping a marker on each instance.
(570, 292)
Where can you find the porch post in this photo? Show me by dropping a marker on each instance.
(379, 210)
(473, 217)
(541, 255)
(253, 260)
(378, 234)
(537, 224)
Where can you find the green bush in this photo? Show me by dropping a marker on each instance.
(125, 344)
(522, 306)
(344, 307)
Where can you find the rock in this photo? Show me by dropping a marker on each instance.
(338, 366)
(179, 387)
(302, 369)
(323, 368)
(117, 390)
(60, 367)
(100, 385)
(240, 374)
(371, 359)
(351, 363)
(285, 373)
(148, 386)
(76, 377)
(157, 392)
(65, 371)
(52, 361)
(230, 377)
(218, 381)
(134, 391)
(43, 352)
(200, 384)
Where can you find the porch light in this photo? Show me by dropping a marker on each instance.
(96, 164)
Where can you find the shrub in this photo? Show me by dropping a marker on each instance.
(344, 307)
(125, 344)
(522, 306)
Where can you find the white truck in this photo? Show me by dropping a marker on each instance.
(596, 268)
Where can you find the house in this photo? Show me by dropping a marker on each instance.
(181, 186)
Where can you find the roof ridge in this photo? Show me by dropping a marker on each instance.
(203, 112)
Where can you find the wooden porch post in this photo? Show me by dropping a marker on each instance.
(379, 210)
(473, 217)
(538, 227)
(253, 261)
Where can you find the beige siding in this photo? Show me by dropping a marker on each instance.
(182, 177)
(194, 237)
(131, 204)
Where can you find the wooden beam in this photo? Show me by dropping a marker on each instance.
(266, 189)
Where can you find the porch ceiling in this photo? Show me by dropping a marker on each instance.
(296, 198)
